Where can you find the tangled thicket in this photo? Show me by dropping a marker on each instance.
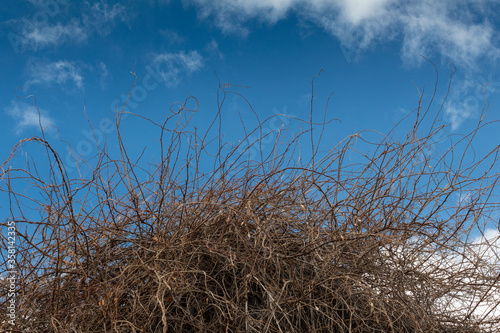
(377, 245)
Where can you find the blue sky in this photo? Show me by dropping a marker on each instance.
(71, 55)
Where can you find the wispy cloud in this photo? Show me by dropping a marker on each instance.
(230, 15)
(39, 36)
(476, 263)
(458, 107)
(212, 48)
(96, 17)
(433, 27)
(173, 37)
(61, 72)
(27, 117)
(170, 66)
(103, 75)
(102, 18)
(466, 99)
(454, 29)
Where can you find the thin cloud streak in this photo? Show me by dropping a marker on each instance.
(170, 66)
(455, 31)
(102, 18)
(42, 36)
(98, 17)
(61, 72)
(28, 117)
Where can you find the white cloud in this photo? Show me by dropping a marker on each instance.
(61, 72)
(467, 98)
(457, 114)
(358, 10)
(455, 29)
(28, 117)
(436, 27)
(465, 101)
(170, 66)
(39, 36)
(97, 17)
(103, 75)
(229, 15)
(102, 17)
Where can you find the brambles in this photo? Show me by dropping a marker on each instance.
(378, 245)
